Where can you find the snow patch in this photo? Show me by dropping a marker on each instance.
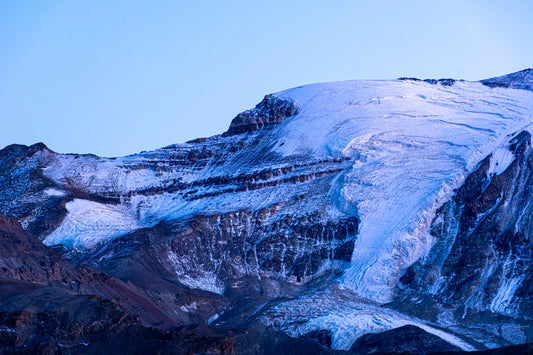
(214, 317)
(88, 223)
(501, 158)
(502, 301)
(189, 307)
(54, 192)
(202, 280)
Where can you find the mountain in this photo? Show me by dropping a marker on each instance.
(327, 213)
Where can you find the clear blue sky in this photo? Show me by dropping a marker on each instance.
(118, 77)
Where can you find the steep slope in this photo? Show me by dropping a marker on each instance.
(23, 258)
(49, 306)
(314, 204)
(479, 271)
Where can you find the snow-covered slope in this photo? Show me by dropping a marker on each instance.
(342, 178)
(411, 143)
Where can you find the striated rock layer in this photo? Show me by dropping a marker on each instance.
(327, 212)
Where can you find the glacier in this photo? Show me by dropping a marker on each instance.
(412, 144)
(389, 153)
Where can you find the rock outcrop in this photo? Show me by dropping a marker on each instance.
(271, 110)
(406, 339)
(519, 80)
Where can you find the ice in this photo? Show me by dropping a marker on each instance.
(346, 317)
(509, 284)
(54, 192)
(505, 294)
(88, 223)
(412, 144)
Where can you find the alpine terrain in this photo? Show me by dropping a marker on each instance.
(345, 217)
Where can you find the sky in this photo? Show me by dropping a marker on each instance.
(117, 77)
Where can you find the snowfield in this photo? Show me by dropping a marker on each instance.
(89, 223)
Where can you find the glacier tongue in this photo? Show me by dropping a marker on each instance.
(411, 144)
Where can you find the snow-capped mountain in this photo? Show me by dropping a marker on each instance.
(340, 209)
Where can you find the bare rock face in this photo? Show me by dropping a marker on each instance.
(406, 339)
(270, 111)
(48, 301)
(237, 244)
(24, 260)
(22, 180)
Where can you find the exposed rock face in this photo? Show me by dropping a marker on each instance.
(24, 260)
(264, 243)
(270, 111)
(71, 324)
(406, 339)
(47, 300)
(249, 258)
(51, 306)
(322, 337)
(21, 172)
